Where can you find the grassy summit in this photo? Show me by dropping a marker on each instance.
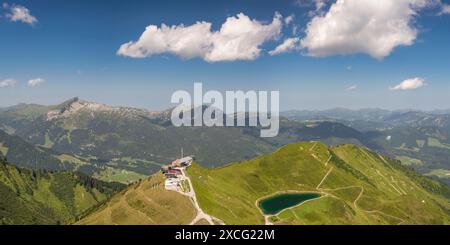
(146, 202)
(357, 187)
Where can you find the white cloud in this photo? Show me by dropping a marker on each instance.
(302, 3)
(362, 26)
(187, 42)
(288, 45)
(349, 68)
(7, 83)
(409, 84)
(239, 38)
(19, 13)
(295, 30)
(445, 9)
(288, 20)
(34, 82)
(352, 88)
(320, 4)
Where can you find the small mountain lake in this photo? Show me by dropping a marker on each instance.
(274, 204)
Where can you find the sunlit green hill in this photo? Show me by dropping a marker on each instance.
(145, 202)
(357, 187)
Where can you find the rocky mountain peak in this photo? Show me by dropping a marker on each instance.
(75, 105)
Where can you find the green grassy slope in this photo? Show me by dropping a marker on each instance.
(146, 202)
(357, 187)
(38, 197)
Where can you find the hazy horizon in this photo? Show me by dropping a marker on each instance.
(173, 105)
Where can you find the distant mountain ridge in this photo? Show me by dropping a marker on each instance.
(371, 114)
(126, 144)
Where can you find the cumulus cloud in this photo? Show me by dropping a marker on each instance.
(445, 9)
(7, 83)
(288, 45)
(372, 27)
(319, 4)
(295, 30)
(410, 84)
(19, 13)
(239, 38)
(289, 19)
(302, 3)
(35, 82)
(352, 88)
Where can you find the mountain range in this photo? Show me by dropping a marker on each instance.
(125, 144)
(63, 164)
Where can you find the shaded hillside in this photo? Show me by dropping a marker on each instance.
(357, 187)
(42, 197)
(330, 133)
(24, 154)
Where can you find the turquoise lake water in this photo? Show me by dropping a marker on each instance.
(274, 204)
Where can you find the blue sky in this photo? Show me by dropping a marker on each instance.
(72, 46)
